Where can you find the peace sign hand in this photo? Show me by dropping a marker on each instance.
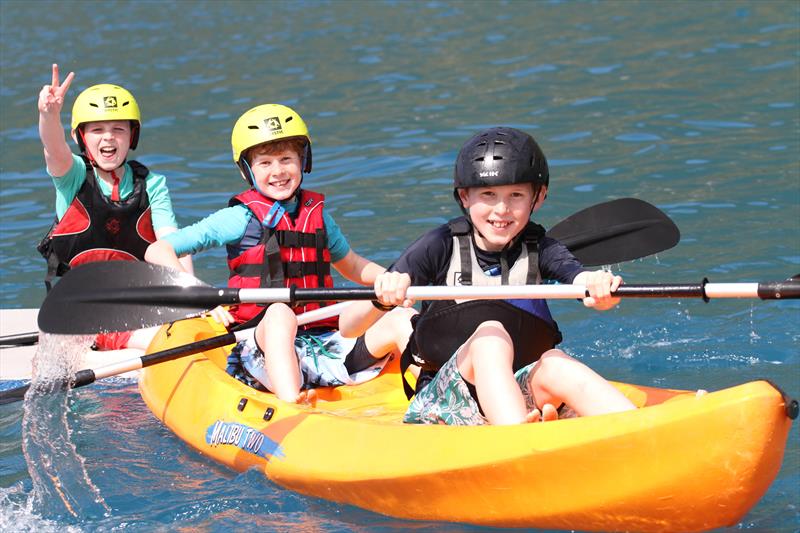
(51, 97)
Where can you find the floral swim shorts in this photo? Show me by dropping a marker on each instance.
(447, 399)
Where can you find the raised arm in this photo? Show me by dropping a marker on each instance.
(57, 154)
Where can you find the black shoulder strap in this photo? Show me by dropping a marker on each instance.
(533, 232)
(531, 236)
(461, 229)
(459, 226)
(90, 179)
(140, 173)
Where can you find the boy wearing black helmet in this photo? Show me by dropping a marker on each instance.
(493, 361)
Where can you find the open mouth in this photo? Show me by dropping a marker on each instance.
(108, 151)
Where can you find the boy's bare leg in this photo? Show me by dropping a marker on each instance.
(558, 378)
(275, 335)
(486, 360)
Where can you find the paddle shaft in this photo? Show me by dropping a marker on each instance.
(765, 291)
(20, 339)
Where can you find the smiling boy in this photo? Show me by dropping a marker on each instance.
(280, 234)
(493, 361)
(107, 208)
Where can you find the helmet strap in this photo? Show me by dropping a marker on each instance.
(82, 145)
(247, 171)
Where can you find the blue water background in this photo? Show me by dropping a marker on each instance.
(692, 106)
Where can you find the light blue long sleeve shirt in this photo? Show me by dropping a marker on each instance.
(228, 225)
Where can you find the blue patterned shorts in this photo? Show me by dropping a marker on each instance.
(320, 357)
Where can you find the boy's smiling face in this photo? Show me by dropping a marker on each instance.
(277, 175)
(108, 142)
(499, 213)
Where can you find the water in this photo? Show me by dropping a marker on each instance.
(693, 107)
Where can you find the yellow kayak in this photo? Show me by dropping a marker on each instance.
(680, 462)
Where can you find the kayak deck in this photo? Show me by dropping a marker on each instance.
(680, 463)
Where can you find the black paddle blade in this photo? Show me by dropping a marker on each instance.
(616, 231)
(122, 296)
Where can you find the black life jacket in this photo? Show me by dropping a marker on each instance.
(445, 325)
(96, 228)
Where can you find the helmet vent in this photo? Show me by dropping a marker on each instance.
(497, 157)
(288, 119)
(479, 158)
(252, 127)
(125, 103)
(93, 105)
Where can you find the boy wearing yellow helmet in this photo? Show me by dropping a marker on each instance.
(107, 208)
(279, 234)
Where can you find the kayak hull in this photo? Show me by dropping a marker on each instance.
(679, 463)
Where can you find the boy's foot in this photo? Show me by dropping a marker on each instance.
(547, 414)
(307, 397)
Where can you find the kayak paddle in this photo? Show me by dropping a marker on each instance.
(89, 375)
(130, 296)
(90, 298)
(606, 233)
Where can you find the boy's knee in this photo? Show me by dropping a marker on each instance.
(279, 311)
(401, 316)
(491, 341)
(554, 365)
(492, 328)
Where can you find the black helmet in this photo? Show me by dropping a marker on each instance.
(500, 156)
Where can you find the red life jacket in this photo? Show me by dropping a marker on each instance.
(96, 228)
(281, 250)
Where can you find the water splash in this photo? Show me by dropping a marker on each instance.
(62, 488)
(18, 514)
(753, 335)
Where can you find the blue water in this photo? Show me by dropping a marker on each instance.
(691, 106)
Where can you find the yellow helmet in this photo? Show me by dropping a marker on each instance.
(106, 102)
(266, 123)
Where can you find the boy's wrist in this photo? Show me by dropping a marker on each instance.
(382, 307)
